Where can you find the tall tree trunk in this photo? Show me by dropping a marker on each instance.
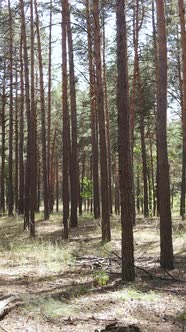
(182, 198)
(38, 183)
(117, 190)
(81, 184)
(107, 115)
(52, 172)
(137, 87)
(33, 147)
(27, 103)
(49, 105)
(65, 122)
(138, 191)
(106, 233)
(144, 163)
(152, 175)
(57, 183)
(16, 141)
(3, 139)
(134, 80)
(94, 140)
(43, 125)
(21, 134)
(155, 93)
(183, 45)
(74, 151)
(125, 162)
(166, 255)
(10, 144)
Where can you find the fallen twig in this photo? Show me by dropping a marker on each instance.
(149, 273)
(3, 329)
(137, 267)
(4, 305)
(172, 277)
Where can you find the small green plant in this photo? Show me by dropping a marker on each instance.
(101, 278)
(87, 188)
(182, 316)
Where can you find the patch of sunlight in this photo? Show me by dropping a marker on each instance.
(180, 245)
(53, 255)
(47, 307)
(134, 294)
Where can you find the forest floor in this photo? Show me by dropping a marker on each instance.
(76, 285)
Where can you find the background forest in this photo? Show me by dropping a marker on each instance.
(93, 130)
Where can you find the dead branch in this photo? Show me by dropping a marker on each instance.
(5, 306)
(172, 277)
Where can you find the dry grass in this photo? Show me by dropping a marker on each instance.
(54, 286)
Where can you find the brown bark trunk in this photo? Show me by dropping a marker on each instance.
(43, 126)
(3, 139)
(155, 93)
(57, 183)
(33, 146)
(27, 103)
(134, 81)
(74, 151)
(94, 141)
(117, 191)
(138, 191)
(16, 141)
(106, 233)
(21, 134)
(183, 45)
(52, 171)
(81, 184)
(10, 144)
(166, 255)
(65, 122)
(125, 161)
(152, 176)
(137, 87)
(107, 116)
(38, 183)
(144, 163)
(49, 106)
(182, 199)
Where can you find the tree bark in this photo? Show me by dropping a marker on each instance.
(33, 146)
(43, 120)
(49, 107)
(74, 151)
(16, 140)
(27, 103)
(3, 135)
(144, 162)
(57, 183)
(166, 248)
(94, 141)
(66, 151)
(10, 157)
(21, 133)
(107, 116)
(106, 233)
(183, 46)
(125, 162)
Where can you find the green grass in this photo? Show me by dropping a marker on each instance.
(53, 256)
(134, 294)
(182, 316)
(47, 307)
